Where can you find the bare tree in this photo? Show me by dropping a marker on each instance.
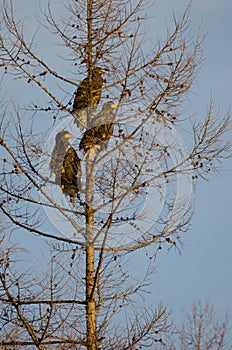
(134, 192)
(201, 330)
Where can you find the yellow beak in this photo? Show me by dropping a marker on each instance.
(68, 136)
(114, 105)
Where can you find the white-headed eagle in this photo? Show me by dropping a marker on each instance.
(87, 97)
(65, 164)
(96, 138)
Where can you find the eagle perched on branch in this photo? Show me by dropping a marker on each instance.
(87, 97)
(65, 164)
(97, 137)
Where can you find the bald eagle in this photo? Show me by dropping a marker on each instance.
(97, 137)
(65, 164)
(87, 97)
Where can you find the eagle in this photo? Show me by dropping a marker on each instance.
(87, 97)
(102, 129)
(65, 164)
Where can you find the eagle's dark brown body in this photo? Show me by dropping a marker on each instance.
(102, 131)
(70, 174)
(65, 164)
(96, 136)
(87, 97)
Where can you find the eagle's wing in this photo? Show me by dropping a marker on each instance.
(84, 102)
(71, 174)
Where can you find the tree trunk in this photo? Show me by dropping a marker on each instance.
(90, 300)
(91, 313)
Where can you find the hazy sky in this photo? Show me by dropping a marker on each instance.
(204, 269)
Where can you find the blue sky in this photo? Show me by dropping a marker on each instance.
(204, 268)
